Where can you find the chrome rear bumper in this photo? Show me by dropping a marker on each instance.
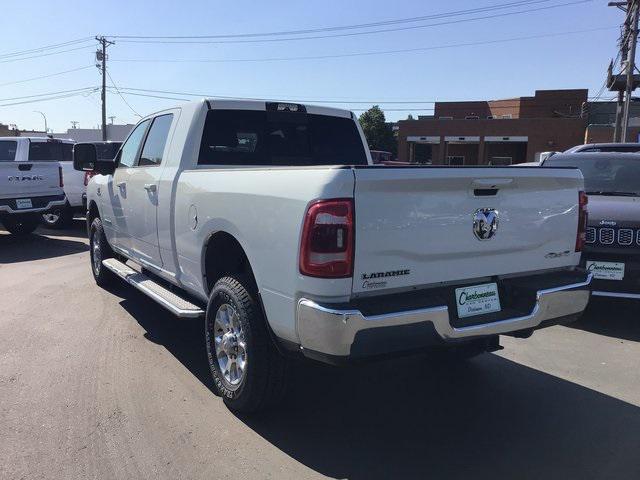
(48, 206)
(332, 332)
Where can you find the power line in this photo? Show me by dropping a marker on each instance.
(337, 28)
(154, 94)
(48, 93)
(361, 54)
(351, 34)
(68, 95)
(45, 76)
(46, 47)
(47, 54)
(120, 94)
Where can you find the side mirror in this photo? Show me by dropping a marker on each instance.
(85, 158)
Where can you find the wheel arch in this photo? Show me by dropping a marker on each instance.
(223, 254)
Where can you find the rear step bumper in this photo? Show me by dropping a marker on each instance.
(176, 304)
(40, 204)
(327, 331)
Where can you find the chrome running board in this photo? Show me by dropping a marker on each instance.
(170, 300)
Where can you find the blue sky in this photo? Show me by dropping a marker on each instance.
(486, 71)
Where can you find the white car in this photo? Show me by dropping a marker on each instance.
(31, 182)
(270, 221)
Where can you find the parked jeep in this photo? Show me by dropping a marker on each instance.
(612, 248)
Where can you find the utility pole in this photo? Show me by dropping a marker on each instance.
(625, 82)
(101, 57)
(633, 39)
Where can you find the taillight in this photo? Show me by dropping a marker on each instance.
(583, 218)
(61, 181)
(328, 239)
(88, 176)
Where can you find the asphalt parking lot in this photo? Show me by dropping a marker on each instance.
(107, 384)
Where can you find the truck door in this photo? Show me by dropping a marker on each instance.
(117, 207)
(142, 181)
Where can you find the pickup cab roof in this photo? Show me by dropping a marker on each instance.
(262, 105)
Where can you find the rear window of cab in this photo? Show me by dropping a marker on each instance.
(252, 137)
(49, 151)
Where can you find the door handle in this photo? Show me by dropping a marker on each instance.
(150, 187)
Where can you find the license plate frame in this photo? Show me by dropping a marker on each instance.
(22, 203)
(477, 300)
(606, 270)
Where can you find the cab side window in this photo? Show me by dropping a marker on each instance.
(130, 149)
(156, 141)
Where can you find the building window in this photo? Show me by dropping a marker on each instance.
(490, 117)
(472, 117)
(455, 160)
(501, 161)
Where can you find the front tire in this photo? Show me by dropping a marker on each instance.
(99, 250)
(248, 371)
(21, 225)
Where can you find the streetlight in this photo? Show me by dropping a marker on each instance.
(46, 130)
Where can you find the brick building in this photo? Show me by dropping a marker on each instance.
(496, 131)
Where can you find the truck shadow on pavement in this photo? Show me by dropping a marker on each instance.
(41, 244)
(611, 317)
(414, 418)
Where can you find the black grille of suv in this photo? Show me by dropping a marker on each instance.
(613, 236)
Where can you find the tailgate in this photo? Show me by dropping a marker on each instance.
(29, 179)
(415, 226)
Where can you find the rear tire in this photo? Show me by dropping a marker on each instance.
(248, 371)
(99, 250)
(21, 225)
(58, 218)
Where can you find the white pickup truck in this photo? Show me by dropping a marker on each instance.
(269, 220)
(31, 182)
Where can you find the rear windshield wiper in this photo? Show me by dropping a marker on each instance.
(615, 194)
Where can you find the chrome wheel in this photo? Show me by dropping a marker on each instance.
(96, 254)
(230, 345)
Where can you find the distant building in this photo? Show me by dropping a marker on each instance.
(116, 133)
(495, 132)
(602, 118)
(12, 131)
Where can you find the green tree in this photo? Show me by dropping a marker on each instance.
(379, 134)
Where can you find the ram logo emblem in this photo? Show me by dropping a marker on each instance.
(485, 223)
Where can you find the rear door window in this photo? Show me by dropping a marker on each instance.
(251, 137)
(8, 151)
(156, 140)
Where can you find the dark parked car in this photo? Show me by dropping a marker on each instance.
(612, 245)
(605, 147)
